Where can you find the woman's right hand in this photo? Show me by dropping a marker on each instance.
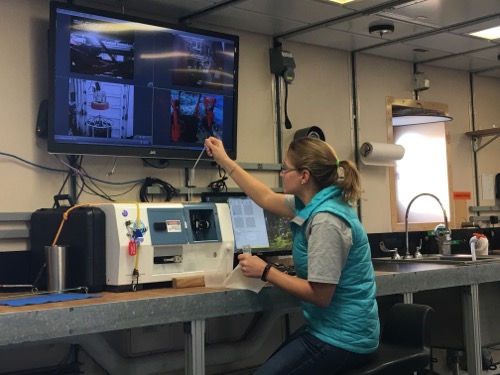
(215, 149)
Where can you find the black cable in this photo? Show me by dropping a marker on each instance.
(100, 180)
(162, 163)
(220, 184)
(167, 189)
(82, 349)
(72, 352)
(62, 187)
(288, 123)
(103, 193)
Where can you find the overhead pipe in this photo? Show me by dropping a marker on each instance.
(355, 116)
(473, 125)
(277, 97)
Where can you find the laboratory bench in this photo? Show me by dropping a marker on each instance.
(192, 306)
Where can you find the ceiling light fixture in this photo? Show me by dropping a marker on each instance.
(341, 1)
(490, 34)
(381, 28)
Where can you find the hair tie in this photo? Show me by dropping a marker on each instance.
(337, 163)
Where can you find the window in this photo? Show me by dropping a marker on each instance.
(424, 169)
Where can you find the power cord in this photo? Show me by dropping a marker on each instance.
(160, 163)
(166, 188)
(219, 185)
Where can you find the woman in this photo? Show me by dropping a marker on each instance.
(335, 280)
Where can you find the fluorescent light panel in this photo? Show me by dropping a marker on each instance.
(341, 1)
(490, 34)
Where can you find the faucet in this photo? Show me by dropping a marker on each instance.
(442, 233)
(443, 238)
(395, 255)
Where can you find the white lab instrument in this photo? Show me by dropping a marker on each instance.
(156, 242)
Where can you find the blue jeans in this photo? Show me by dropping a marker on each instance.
(304, 354)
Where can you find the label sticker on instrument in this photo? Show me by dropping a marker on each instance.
(174, 226)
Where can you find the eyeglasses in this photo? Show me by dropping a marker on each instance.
(285, 169)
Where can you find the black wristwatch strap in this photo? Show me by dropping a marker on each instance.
(265, 272)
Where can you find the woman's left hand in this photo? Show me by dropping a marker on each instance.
(251, 266)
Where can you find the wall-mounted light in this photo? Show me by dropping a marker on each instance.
(413, 116)
(415, 120)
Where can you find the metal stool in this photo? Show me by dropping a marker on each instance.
(404, 345)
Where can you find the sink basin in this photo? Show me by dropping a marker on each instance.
(454, 259)
(404, 266)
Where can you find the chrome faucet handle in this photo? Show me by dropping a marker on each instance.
(418, 254)
(395, 254)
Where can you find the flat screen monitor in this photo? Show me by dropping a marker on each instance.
(249, 223)
(128, 86)
(264, 231)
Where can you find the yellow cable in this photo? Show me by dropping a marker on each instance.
(64, 218)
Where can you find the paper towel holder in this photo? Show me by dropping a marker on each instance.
(365, 149)
(371, 154)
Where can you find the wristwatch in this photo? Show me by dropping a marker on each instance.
(265, 272)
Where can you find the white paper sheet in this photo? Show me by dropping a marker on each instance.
(236, 280)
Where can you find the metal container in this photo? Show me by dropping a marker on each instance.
(55, 259)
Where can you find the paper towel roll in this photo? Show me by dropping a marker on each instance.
(382, 154)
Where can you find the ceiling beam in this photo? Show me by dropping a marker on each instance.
(457, 54)
(341, 19)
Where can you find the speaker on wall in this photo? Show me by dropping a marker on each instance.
(311, 132)
(42, 119)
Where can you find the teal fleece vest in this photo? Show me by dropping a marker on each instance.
(351, 320)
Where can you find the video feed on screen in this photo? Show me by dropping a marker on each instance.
(200, 62)
(278, 231)
(196, 116)
(101, 48)
(100, 109)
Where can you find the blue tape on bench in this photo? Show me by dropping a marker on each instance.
(48, 298)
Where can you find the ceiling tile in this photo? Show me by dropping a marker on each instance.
(361, 25)
(450, 43)
(447, 12)
(406, 52)
(254, 22)
(307, 11)
(334, 39)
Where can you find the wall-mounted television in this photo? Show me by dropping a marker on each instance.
(127, 86)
